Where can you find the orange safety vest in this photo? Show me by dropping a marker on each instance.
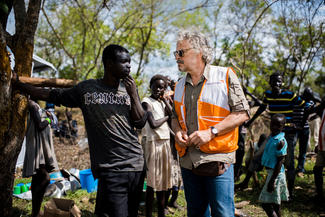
(212, 108)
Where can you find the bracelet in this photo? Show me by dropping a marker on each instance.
(49, 120)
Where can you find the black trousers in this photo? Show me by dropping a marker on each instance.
(119, 193)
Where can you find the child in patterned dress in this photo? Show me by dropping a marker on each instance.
(275, 188)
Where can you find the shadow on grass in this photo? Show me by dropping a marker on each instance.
(302, 205)
(17, 212)
(87, 213)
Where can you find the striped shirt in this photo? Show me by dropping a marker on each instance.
(285, 103)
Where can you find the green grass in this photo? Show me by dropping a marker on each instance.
(86, 203)
(302, 206)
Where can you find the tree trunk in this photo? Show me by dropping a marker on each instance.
(12, 131)
(13, 106)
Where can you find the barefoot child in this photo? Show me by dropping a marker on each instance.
(275, 188)
(157, 151)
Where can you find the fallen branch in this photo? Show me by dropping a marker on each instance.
(48, 82)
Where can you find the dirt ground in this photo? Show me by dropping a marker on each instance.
(68, 152)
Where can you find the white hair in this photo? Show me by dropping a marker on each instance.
(198, 41)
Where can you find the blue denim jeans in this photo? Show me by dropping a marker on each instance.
(303, 136)
(203, 193)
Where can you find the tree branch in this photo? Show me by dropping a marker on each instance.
(251, 30)
(203, 4)
(57, 35)
(31, 20)
(20, 14)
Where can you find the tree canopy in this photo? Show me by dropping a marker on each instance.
(255, 37)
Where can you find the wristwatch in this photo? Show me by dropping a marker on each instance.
(214, 131)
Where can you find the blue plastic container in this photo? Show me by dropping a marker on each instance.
(87, 180)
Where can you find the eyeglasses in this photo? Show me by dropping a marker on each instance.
(181, 52)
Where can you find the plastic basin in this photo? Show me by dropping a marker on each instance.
(87, 180)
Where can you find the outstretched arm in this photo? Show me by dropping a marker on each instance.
(35, 92)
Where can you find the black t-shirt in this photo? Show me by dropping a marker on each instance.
(113, 142)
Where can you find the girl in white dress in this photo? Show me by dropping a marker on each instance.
(157, 151)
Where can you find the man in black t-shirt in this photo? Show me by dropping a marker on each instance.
(111, 109)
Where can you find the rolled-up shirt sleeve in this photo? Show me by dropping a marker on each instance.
(236, 97)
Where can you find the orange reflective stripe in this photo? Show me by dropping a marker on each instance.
(212, 109)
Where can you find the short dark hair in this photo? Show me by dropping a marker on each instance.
(281, 117)
(158, 77)
(110, 51)
(275, 74)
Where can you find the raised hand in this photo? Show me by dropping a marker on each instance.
(130, 85)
